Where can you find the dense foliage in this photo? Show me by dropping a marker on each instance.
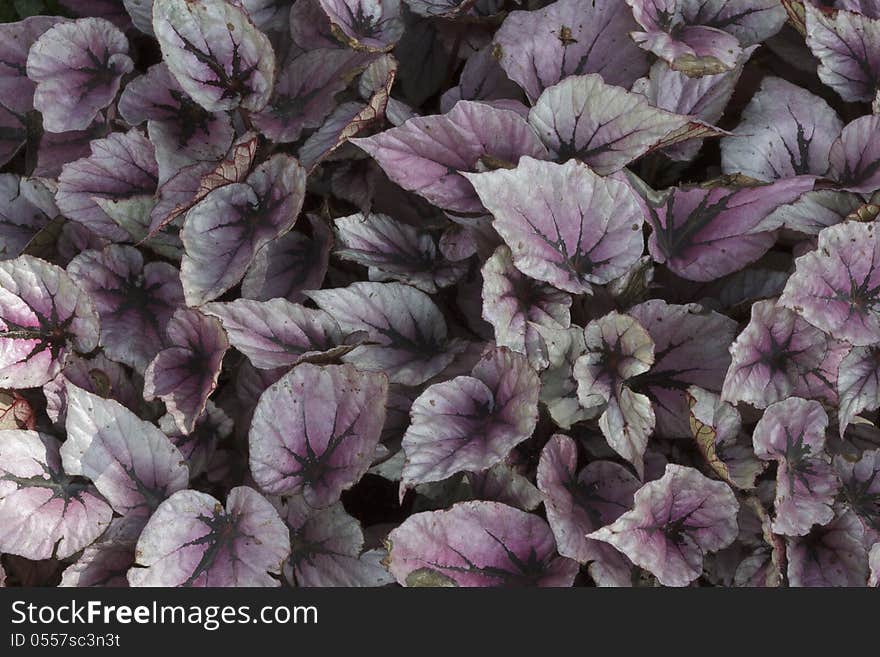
(439, 292)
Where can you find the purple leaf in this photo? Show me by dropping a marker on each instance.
(690, 348)
(792, 432)
(133, 464)
(407, 334)
(26, 206)
(777, 355)
(105, 562)
(564, 224)
(181, 123)
(305, 92)
(315, 430)
(846, 45)
(191, 540)
(216, 53)
(855, 156)
(605, 126)
(132, 299)
(77, 67)
(44, 512)
(558, 385)
(858, 384)
(393, 250)
(618, 349)
(16, 89)
(290, 264)
(515, 306)
(223, 232)
(427, 155)
(815, 210)
(833, 555)
(440, 8)
(785, 132)
(477, 544)
(860, 486)
(717, 428)
(310, 27)
(482, 78)
(278, 333)
(121, 166)
(471, 422)
(43, 316)
(370, 25)
(200, 445)
(835, 288)
(578, 504)
(328, 548)
(98, 375)
(539, 48)
(675, 521)
(703, 98)
(704, 38)
(706, 232)
(185, 374)
(874, 561)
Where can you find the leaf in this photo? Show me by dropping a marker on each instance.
(785, 132)
(121, 166)
(471, 422)
(836, 287)
(98, 375)
(846, 46)
(370, 25)
(564, 224)
(290, 264)
(717, 429)
(854, 156)
(579, 503)
(45, 513)
(516, 306)
(537, 49)
(44, 315)
(305, 92)
(428, 155)
(242, 545)
(314, 431)
(703, 98)
(792, 432)
(618, 349)
(706, 232)
(223, 232)
(477, 544)
(393, 250)
(407, 334)
(25, 208)
(215, 53)
(675, 521)
(776, 356)
(278, 333)
(860, 486)
(77, 67)
(833, 555)
(133, 464)
(690, 348)
(328, 548)
(558, 385)
(132, 299)
(605, 126)
(858, 384)
(105, 562)
(184, 374)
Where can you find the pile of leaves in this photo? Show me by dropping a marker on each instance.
(440, 293)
